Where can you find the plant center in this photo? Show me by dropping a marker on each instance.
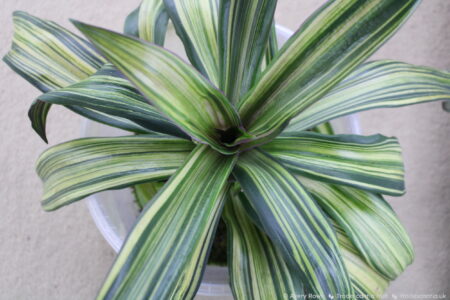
(229, 136)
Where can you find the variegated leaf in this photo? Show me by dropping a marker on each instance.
(378, 84)
(372, 163)
(295, 224)
(174, 87)
(76, 169)
(49, 57)
(109, 92)
(325, 49)
(257, 268)
(164, 255)
(144, 192)
(196, 23)
(148, 22)
(244, 31)
(367, 283)
(370, 223)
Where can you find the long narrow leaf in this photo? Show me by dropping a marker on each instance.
(131, 25)
(370, 223)
(244, 32)
(108, 92)
(49, 57)
(144, 192)
(174, 87)
(333, 42)
(148, 22)
(378, 84)
(196, 23)
(272, 46)
(295, 223)
(109, 120)
(257, 268)
(367, 283)
(373, 163)
(165, 254)
(153, 19)
(76, 169)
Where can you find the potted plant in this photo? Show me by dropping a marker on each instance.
(241, 134)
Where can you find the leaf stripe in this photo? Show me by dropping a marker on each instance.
(76, 169)
(36, 40)
(257, 267)
(378, 84)
(372, 163)
(182, 217)
(361, 214)
(175, 88)
(367, 283)
(294, 222)
(196, 23)
(244, 31)
(152, 21)
(108, 92)
(308, 67)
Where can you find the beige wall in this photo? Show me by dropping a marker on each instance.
(61, 255)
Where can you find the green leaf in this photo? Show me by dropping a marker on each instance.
(446, 105)
(131, 26)
(174, 87)
(148, 22)
(333, 42)
(244, 32)
(153, 21)
(324, 128)
(367, 283)
(165, 254)
(372, 163)
(106, 119)
(272, 47)
(108, 92)
(144, 192)
(378, 84)
(49, 57)
(37, 113)
(295, 224)
(76, 169)
(257, 268)
(370, 223)
(196, 23)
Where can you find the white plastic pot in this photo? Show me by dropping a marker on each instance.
(114, 212)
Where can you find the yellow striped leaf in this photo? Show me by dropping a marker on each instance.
(370, 223)
(76, 169)
(152, 22)
(196, 23)
(109, 92)
(164, 255)
(378, 84)
(257, 268)
(174, 87)
(144, 192)
(325, 49)
(49, 57)
(295, 224)
(148, 22)
(244, 31)
(367, 283)
(372, 163)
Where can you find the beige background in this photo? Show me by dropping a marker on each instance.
(61, 255)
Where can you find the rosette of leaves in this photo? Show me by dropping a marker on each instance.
(239, 132)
